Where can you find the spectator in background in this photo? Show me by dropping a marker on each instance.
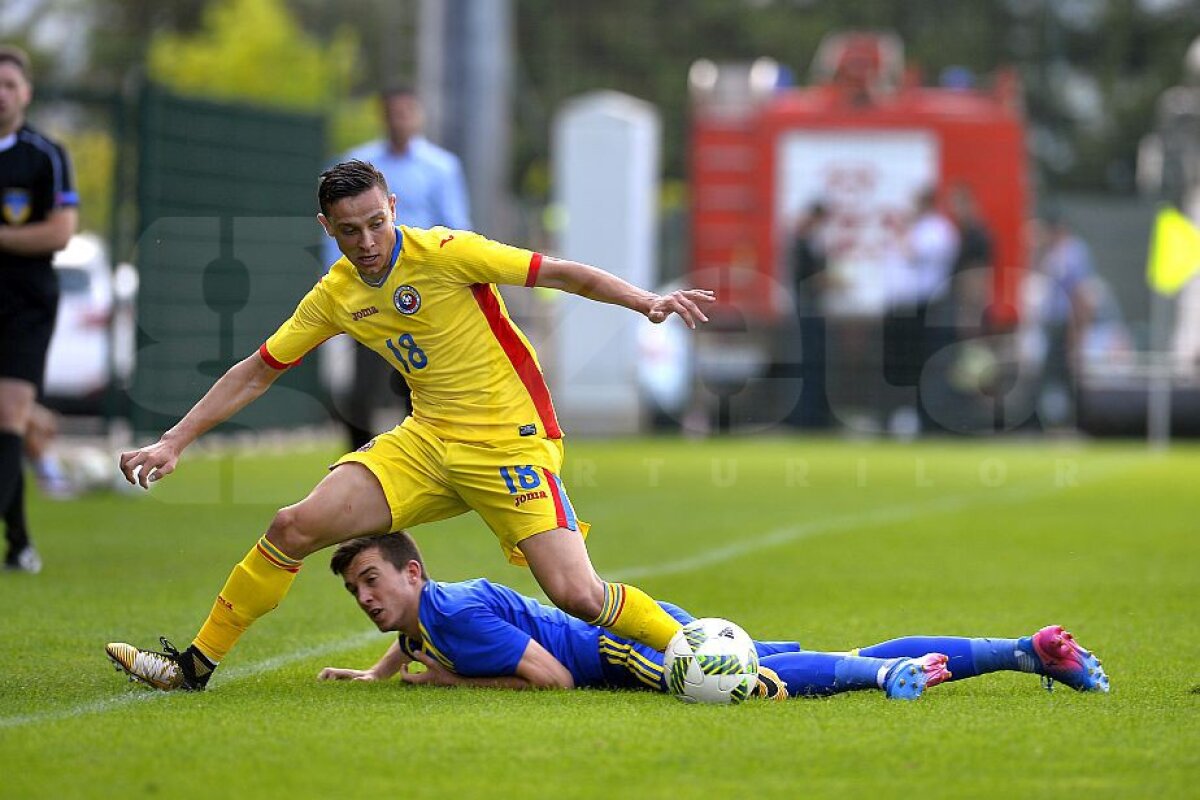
(1064, 310)
(37, 218)
(973, 384)
(973, 265)
(430, 190)
(916, 280)
(809, 281)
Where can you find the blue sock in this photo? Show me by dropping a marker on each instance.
(968, 657)
(809, 674)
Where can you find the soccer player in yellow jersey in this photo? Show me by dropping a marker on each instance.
(482, 437)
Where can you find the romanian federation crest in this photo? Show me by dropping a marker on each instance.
(407, 300)
(16, 206)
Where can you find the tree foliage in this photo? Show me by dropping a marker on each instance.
(255, 50)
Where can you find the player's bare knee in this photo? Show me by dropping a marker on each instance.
(289, 535)
(579, 601)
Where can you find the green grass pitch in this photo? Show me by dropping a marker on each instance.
(834, 543)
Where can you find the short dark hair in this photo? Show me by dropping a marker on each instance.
(10, 54)
(396, 548)
(348, 179)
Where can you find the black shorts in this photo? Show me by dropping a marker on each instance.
(28, 306)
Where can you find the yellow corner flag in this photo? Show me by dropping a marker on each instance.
(1174, 252)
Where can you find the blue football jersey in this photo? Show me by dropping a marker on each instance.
(480, 629)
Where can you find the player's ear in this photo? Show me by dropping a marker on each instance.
(412, 571)
(321, 218)
(392, 205)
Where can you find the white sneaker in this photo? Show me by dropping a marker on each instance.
(27, 560)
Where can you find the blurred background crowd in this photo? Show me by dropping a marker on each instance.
(922, 218)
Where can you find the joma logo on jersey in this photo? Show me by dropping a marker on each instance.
(407, 300)
(524, 498)
(364, 312)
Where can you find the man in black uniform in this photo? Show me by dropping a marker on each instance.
(37, 218)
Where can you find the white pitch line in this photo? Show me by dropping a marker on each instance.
(145, 694)
(94, 707)
(775, 538)
(844, 523)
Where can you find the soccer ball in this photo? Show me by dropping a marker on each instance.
(711, 660)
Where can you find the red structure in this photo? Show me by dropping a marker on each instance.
(864, 130)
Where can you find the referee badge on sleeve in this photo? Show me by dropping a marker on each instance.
(16, 206)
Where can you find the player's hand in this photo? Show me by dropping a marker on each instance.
(340, 674)
(434, 675)
(148, 464)
(689, 304)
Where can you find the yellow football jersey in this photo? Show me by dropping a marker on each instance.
(439, 320)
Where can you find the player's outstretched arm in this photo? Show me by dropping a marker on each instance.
(596, 284)
(538, 669)
(236, 389)
(388, 665)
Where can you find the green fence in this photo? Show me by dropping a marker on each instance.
(227, 245)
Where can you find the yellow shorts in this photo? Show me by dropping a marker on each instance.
(513, 484)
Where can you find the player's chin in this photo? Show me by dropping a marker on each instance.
(368, 264)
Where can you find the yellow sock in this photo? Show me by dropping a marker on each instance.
(631, 613)
(256, 585)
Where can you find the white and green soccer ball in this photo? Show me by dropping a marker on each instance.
(711, 660)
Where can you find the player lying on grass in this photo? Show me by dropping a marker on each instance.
(479, 633)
